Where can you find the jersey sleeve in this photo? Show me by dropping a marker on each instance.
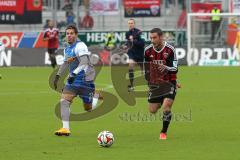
(45, 33)
(82, 53)
(64, 56)
(173, 67)
(81, 49)
(127, 36)
(56, 33)
(146, 66)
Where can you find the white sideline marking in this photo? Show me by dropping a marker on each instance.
(14, 92)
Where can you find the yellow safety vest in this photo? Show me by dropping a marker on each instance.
(215, 18)
(110, 43)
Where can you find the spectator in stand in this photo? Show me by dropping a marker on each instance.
(70, 17)
(79, 22)
(67, 5)
(87, 22)
(181, 24)
(182, 19)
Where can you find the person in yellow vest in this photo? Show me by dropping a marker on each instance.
(215, 22)
(237, 42)
(110, 42)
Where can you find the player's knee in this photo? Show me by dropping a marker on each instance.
(64, 102)
(153, 110)
(167, 104)
(131, 65)
(67, 97)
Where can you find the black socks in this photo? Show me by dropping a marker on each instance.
(167, 116)
(131, 76)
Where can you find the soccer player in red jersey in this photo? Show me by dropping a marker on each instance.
(161, 67)
(51, 35)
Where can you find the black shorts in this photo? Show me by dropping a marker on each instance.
(156, 94)
(138, 59)
(52, 50)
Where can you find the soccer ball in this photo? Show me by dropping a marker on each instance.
(105, 139)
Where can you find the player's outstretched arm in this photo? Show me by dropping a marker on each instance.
(60, 72)
(62, 68)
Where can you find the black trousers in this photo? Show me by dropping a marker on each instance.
(215, 27)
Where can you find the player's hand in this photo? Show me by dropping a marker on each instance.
(179, 85)
(162, 68)
(69, 60)
(131, 38)
(71, 78)
(45, 39)
(56, 81)
(124, 46)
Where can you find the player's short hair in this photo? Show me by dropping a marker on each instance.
(157, 30)
(72, 26)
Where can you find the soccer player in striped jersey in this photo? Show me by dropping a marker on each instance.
(51, 35)
(161, 67)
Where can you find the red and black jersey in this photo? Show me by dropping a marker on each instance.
(52, 35)
(153, 58)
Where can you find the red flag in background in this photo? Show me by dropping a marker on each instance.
(34, 5)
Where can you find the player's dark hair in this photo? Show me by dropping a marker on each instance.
(157, 30)
(72, 26)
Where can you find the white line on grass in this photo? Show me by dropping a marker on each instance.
(14, 92)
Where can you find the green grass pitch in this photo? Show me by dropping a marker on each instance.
(206, 125)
